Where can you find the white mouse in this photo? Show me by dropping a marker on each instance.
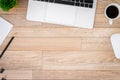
(115, 40)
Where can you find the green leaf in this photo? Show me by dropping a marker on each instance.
(6, 5)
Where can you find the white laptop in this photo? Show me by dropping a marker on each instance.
(5, 28)
(115, 40)
(78, 13)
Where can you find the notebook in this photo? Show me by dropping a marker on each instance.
(5, 28)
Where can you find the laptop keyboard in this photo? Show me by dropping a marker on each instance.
(81, 3)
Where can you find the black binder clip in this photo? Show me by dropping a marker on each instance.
(3, 79)
(2, 70)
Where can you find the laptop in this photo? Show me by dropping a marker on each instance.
(77, 13)
(5, 28)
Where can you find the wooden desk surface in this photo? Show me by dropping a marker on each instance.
(48, 51)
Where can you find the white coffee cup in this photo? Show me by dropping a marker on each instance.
(112, 12)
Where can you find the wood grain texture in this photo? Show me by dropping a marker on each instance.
(22, 60)
(43, 51)
(80, 60)
(54, 31)
(17, 74)
(76, 75)
(36, 44)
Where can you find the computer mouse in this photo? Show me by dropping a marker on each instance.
(115, 41)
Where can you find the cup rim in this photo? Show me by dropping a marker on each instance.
(116, 5)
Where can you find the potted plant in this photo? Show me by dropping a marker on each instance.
(6, 5)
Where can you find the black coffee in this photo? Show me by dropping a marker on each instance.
(112, 11)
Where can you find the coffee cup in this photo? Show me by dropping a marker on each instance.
(112, 12)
